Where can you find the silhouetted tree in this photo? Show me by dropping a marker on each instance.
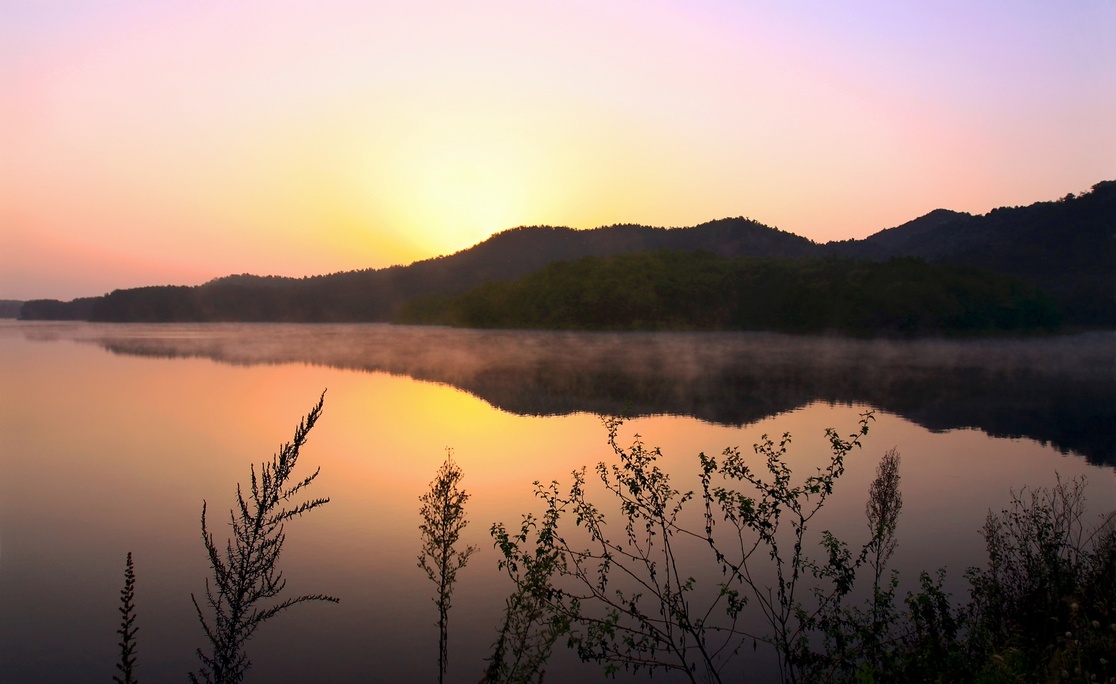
(443, 519)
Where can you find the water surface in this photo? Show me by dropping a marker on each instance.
(112, 436)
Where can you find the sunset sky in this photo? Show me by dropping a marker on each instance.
(164, 141)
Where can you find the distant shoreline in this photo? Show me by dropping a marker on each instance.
(1062, 248)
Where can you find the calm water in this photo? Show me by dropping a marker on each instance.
(112, 436)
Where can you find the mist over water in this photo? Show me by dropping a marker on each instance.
(112, 436)
(1060, 390)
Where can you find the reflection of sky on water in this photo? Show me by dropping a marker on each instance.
(106, 453)
(1060, 390)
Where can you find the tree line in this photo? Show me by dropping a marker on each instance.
(671, 290)
(1066, 247)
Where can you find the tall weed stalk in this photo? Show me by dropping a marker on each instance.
(128, 629)
(247, 582)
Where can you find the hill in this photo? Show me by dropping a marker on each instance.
(1065, 247)
(378, 295)
(684, 290)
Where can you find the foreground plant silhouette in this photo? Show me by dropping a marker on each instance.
(533, 617)
(443, 519)
(128, 629)
(1044, 607)
(246, 576)
(628, 599)
(858, 641)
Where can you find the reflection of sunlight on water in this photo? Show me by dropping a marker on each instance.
(106, 453)
(1060, 390)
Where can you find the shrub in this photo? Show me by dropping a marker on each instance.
(628, 599)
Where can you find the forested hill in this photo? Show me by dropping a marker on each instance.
(377, 295)
(1065, 247)
(678, 290)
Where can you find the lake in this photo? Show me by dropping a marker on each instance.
(112, 436)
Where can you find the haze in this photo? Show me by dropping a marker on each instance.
(173, 142)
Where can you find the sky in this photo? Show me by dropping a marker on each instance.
(171, 142)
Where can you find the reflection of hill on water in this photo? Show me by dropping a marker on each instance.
(1060, 391)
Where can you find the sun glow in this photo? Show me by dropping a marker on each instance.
(206, 138)
(443, 182)
(458, 192)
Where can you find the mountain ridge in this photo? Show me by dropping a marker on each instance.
(1064, 246)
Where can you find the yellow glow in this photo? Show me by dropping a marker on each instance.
(463, 192)
(447, 184)
(292, 140)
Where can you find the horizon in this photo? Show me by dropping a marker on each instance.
(174, 143)
(505, 230)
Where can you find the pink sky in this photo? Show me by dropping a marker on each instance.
(173, 142)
